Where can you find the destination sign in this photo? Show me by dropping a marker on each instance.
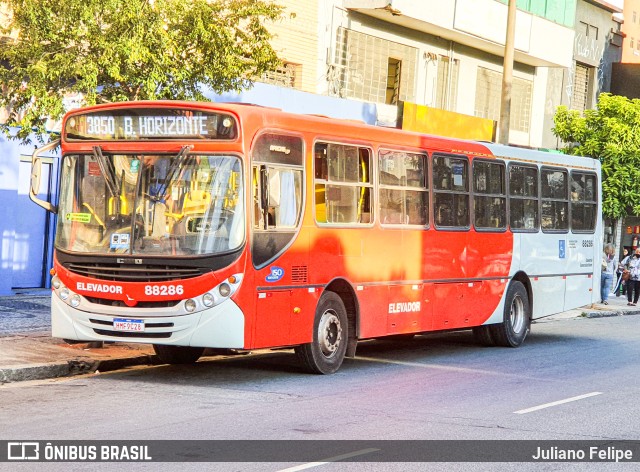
(149, 123)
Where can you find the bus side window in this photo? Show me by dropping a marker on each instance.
(451, 191)
(490, 195)
(555, 199)
(342, 184)
(277, 195)
(404, 195)
(276, 191)
(523, 198)
(584, 204)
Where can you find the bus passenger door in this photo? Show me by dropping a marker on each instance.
(273, 318)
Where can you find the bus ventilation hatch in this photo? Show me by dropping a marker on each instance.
(299, 274)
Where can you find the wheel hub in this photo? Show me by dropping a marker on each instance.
(517, 315)
(329, 333)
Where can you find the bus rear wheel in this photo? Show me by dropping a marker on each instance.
(516, 321)
(325, 353)
(177, 354)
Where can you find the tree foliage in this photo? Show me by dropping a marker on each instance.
(118, 50)
(611, 134)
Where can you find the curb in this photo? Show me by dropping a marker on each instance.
(71, 368)
(609, 313)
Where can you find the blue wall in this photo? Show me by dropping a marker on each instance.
(9, 163)
(23, 224)
(294, 101)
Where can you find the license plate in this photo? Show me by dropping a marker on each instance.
(126, 324)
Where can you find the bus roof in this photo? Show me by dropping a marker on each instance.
(354, 130)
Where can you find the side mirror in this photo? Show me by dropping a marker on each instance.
(36, 171)
(36, 177)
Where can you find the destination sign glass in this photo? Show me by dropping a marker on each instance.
(149, 124)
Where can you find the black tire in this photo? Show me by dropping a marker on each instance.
(516, 322)
(483, 335)
(324, 355)
(177, 354)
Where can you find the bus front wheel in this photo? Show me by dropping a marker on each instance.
(517, 318)
(325, 353)
(177, 354)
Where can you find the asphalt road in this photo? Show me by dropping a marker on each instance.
(573, 379)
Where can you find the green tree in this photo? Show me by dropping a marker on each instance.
(611, 134)
(118, 50)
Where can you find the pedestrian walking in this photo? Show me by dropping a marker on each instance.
(633, 284)
(608, 270)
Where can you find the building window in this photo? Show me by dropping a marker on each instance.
(590, 31)
(488, 97)
(447, 85)
(580, 99)
(631, 43)
(287, 75)
(364, 65)
(635, 15)
(393, 81)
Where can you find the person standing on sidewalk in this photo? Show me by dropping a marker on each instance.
(608, 269)
(621, 284)
(633, 284)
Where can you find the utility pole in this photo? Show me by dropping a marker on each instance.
(507, 76)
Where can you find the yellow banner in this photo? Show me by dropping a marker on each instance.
(429, 120)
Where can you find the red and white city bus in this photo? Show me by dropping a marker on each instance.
(206, 225)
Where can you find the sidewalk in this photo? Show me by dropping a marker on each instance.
(28, 352)
(35, 355)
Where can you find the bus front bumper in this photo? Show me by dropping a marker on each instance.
(221, 326)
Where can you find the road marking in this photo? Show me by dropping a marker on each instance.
(309, 465)
(559, 402)
(442, 367)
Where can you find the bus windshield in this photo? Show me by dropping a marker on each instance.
(137, 204)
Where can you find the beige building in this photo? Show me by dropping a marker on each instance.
(296, 43)
(631, 30)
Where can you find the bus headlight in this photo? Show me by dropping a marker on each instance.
(56, 283)
(216, 295)
(64, 293)
(208, 300)
(75, 300)
(224, 289)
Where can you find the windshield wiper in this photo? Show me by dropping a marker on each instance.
(109, 178)
(174, 169)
